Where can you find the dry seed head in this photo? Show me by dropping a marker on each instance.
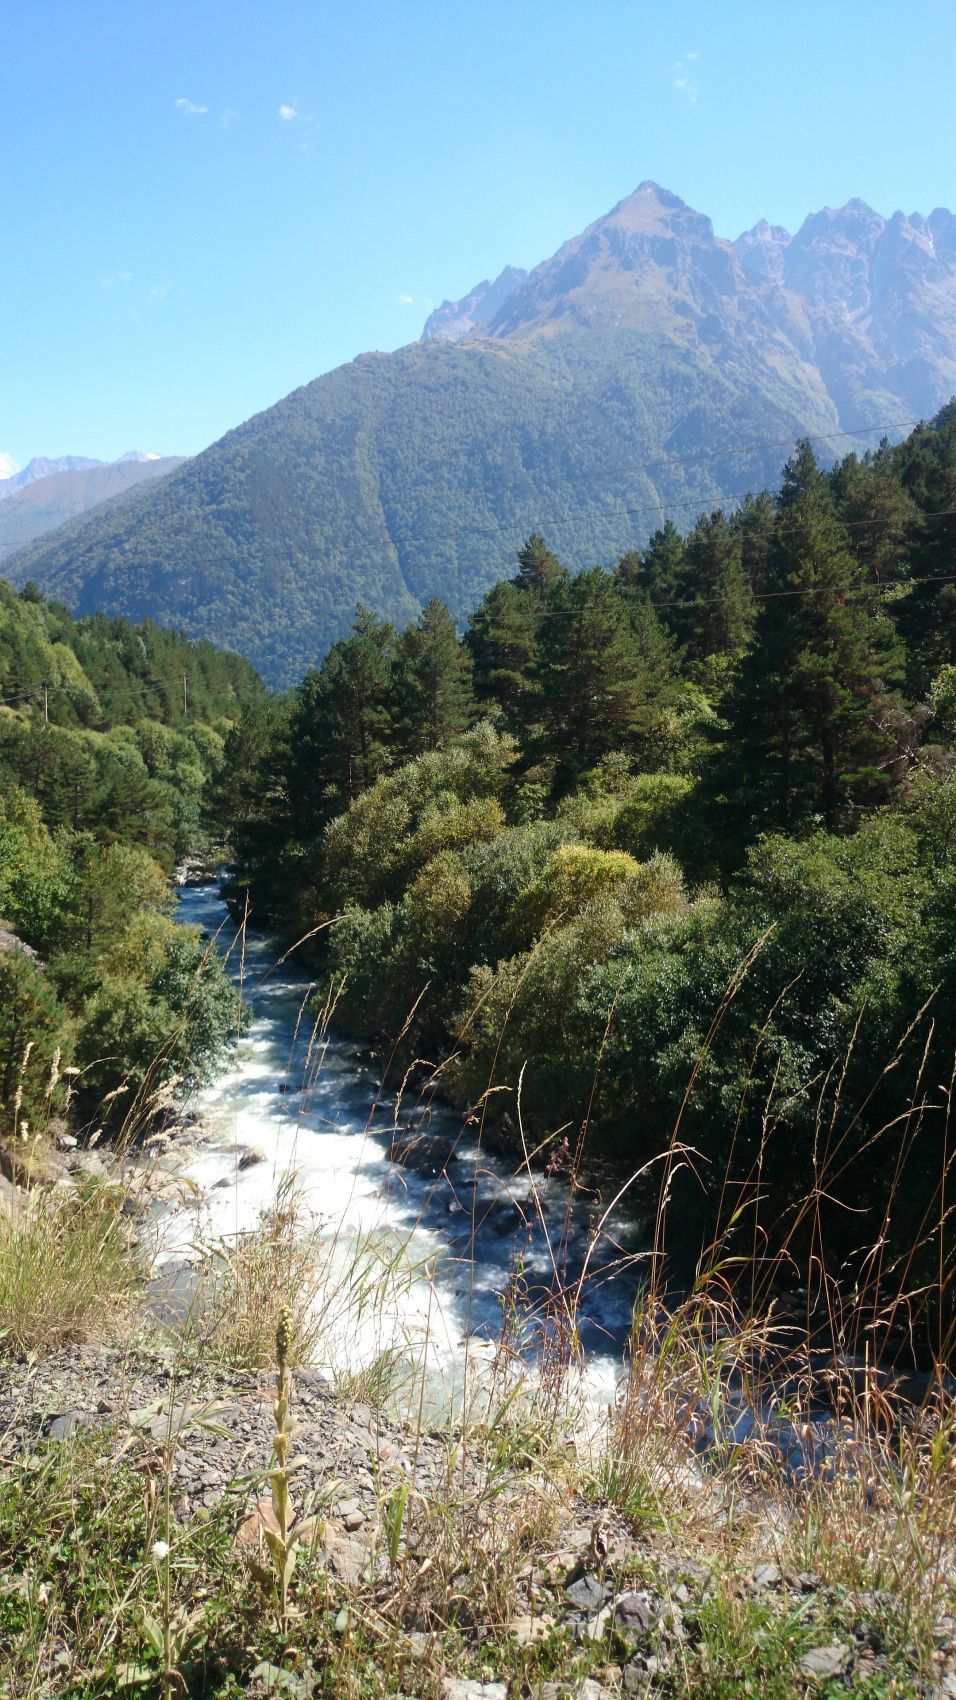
(54, 1070)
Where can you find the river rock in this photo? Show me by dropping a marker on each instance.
(426, 1153)
(251, 1156)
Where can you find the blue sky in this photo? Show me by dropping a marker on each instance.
(206, 204)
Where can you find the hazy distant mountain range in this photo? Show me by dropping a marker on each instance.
(41, 467)
(46, 493)
(648, 368)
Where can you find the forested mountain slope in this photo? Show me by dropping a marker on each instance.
(648, 368)
(43, 504)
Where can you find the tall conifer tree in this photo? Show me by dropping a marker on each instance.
(808, 707)
(432, 693)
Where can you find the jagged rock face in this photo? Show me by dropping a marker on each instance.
(862, 307)
(455, 319)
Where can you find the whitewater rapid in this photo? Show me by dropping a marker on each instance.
(293, 1107)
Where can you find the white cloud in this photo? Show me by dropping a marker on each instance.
(406, 301)
(189, 109)
(157, 291)
(685, 82)
(290, 114)
(8, 466)
(113, 278)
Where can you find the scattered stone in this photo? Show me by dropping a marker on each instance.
(821, 1663)
(67, 1142)
(765, 1576)
(588, 1594)
(68, 1423)
(462, 1688)
(251, 1156)
(527, 1630)
(634, 1612)
(347, 1557)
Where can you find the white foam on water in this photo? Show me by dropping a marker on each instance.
(308, 1106)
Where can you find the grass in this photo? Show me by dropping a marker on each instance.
(69, 1268)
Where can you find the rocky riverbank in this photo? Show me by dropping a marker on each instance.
(507, 1573)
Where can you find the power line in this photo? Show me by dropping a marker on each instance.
(881, 589)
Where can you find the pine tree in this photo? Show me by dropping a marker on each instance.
(810, 701)
(502, 640)
(341, 725)
(718, 612)
(538, 568)
(432, 697)
(927, 615)
(876, 510)
(663, 568)
(598, 693)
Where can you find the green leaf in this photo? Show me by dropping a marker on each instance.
(133, 1676)
(154, 1634)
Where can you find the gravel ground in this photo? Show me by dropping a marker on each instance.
(596, 1577)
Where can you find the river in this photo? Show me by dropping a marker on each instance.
(312, 1108)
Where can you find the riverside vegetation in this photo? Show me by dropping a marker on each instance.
(102, 998)
(654, 863)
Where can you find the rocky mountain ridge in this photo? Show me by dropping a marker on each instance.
(864, 307)
(647, 369)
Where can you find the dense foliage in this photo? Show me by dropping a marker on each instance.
(102, 775)
(690, 820)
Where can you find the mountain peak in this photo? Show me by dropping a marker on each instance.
(646, 366)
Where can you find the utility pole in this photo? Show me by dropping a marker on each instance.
(46, 702)
(184, 697)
